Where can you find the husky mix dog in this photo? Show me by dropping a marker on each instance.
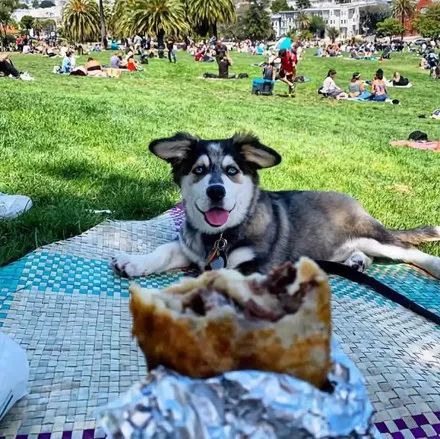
(228, 215)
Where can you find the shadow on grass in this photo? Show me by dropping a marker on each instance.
(62, 214)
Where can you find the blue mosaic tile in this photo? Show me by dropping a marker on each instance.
(414, 284)
(9, 278)
(72, 274)
(344, 288)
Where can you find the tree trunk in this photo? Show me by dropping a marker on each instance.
(213, 30)
(104, 41)
(403, 25)
(160, 43)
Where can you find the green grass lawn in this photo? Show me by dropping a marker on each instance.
(77, 144)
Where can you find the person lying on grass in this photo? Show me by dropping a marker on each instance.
(399, 80)
(330, 88)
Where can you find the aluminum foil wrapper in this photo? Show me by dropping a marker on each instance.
(243, 404)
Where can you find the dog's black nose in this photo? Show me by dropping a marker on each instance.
(216, 192)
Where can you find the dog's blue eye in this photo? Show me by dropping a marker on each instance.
(199, 170)
(231, 170)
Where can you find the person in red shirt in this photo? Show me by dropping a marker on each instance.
(288, 68)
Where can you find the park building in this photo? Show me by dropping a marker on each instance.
(344, 15)
(53, 13)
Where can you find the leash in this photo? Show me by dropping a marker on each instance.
(384, 290)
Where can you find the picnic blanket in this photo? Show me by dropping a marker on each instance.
(387, 101)
(362, 58)
(67, 309)
(390, 84)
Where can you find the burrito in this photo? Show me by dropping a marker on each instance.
(223, 321)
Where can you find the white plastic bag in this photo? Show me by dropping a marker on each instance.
(14, 373)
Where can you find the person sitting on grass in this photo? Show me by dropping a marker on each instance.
(399, 80)
(68, 63)
(424, 64)
(330, 88)
(288, 69)
(131, 63)
(116, 60)
(356, 87)
(224, 62)
(6, 66)
(93, 68)
(269, 71)
(378, 88)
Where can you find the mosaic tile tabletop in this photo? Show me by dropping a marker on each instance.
(67, 309)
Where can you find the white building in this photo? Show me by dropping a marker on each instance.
(344, 15)
(54, 13)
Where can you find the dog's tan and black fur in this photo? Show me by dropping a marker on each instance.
(221, 194)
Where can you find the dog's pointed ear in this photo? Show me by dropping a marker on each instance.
(254, 151)
(173, 149)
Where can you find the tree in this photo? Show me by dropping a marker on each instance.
(22, 6)
(403, 9)
(303, 20)
(26, 22)
(428, 23)
(332, 33)
(280, 5)
(371, 15)
(46, 4)
(158, 17)
(45, 24)
(81, 20)
(7, 7)
(256, 22)
(303, 4)
(206, 14)
(317, 26)
(389, 27)
(35, 4)
(305, 35)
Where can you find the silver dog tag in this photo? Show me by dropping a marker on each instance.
(219, 262)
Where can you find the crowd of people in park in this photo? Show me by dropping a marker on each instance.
(130, 53)
(371, 90)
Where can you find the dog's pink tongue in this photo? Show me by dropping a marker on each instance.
(216, 217)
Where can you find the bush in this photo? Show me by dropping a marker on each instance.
(428, 23)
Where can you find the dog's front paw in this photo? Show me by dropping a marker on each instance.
(359, 261)
(129, 265)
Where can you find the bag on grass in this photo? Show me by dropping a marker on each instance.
(14, 373)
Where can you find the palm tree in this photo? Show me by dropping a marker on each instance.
(81, 20)
(157, 17)
(332, 33)
(403, 9)
(208, 13)
(303, 20)
(119, 21)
